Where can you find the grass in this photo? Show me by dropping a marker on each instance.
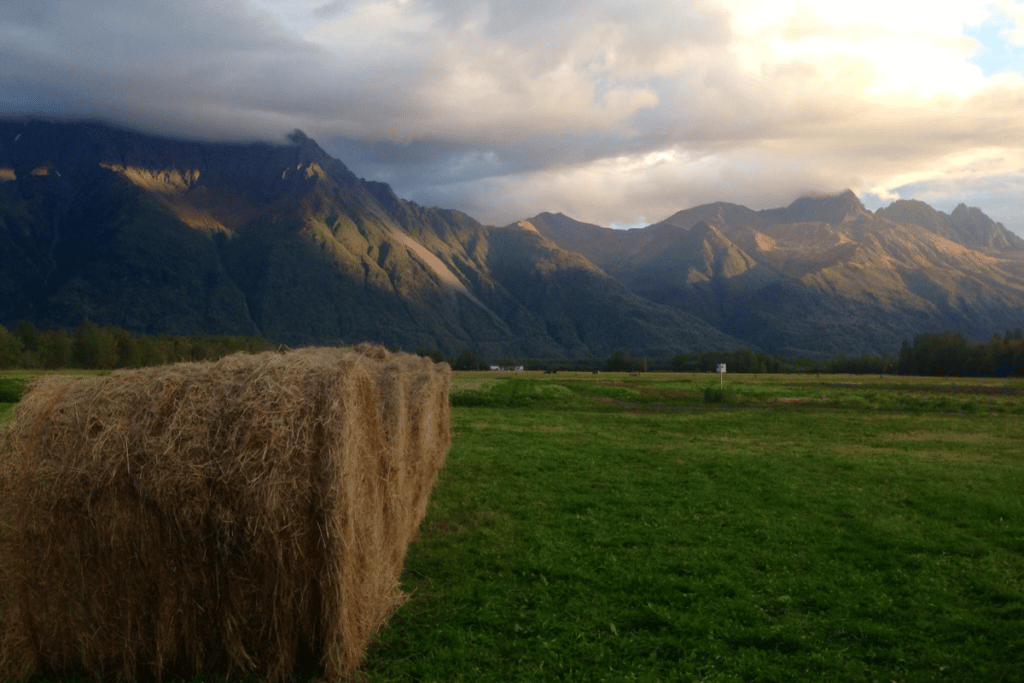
(622, 528)
(11, 388)
(616, 527)
(13, 383)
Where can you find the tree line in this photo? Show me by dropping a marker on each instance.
(106, 348)
(90, 346)
(943, 354)
(939, 354)
(950, 354)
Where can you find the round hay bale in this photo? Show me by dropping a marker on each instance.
(234, 516)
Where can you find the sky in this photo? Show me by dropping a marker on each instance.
(618, 113)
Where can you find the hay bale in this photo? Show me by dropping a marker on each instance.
(230, 517)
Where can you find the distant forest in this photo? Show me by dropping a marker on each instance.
(938, 354)
(944, 354)
(92, 347)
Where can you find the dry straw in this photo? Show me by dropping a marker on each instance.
(244, 517)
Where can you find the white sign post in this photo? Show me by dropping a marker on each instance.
(721, 375)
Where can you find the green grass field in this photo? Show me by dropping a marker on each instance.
(789, 528)
(794, 529)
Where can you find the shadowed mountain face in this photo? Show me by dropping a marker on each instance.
(822, 276)
(168, 236)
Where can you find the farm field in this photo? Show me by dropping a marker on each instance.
(791, 528)
(659, 527)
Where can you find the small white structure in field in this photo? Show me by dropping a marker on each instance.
(721, 375)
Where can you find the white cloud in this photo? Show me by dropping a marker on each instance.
(899, 45)
(1014, 11)
(607, 110)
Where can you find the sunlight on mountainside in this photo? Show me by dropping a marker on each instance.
(438, 267)
(528, 226)
(165, 181)
(192, 203)
(764, 242)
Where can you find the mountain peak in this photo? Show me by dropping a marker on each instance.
(834, 209)
(312, 153)
(916, 212)
(297, 137)
(975, 229)
(966, 225)
(717, 213)
(963, 213)
(555, 216)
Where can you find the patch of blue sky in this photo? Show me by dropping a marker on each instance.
(996, 54)
(641, 222)
(874, 202)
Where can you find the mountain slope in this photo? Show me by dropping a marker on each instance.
(820, 277)
(82, 244)
(161, 235)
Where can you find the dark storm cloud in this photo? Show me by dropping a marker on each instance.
(163, 65)
(220, 69)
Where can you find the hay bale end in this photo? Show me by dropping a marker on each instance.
(240, 517)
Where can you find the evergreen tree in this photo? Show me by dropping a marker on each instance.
(10, 349)
(468, 361)
(905, 364)
(29, 335)
(93, 347)
(127, 347)
(620, 361)
(56, 349)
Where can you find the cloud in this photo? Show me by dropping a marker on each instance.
(1013, 11)
(606, 110)
(215, 72)
(638, 188)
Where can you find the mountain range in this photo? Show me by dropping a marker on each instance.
(161, 235)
